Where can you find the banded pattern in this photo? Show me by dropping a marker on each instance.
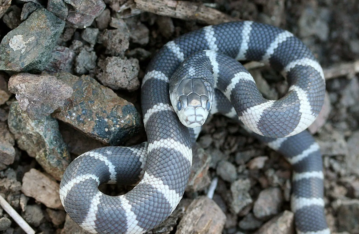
(168, 151)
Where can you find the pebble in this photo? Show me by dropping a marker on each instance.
(84, 12)
(332, 142)
(249, 222)
(12, 17)
(57, 216)
(7, 150)
(85, 61)
(257, 162)
(39, 95)
(347, 215)
(22, 41)
(242, 157)
(139, 53)
(42, 188)
(314, 22)
(4, 92)
(58, 8)
(115, 41)
(202, 216)
(165, 25)
(98, 112)
(29, 8)
(103, 20)
(227, 171)
(62, 60)
(139, 33)
(118, 73)
(40, 139)
(268, 203)
(352, 159)
(216, 156)
(240, 195)
(34, 215)
(350, 94)
(4, 5)
(5, 223)
(90, 35)
(282, 223)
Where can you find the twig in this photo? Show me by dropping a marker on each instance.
(212, 187)
(342, 69)
(184, 10)
(18, 219)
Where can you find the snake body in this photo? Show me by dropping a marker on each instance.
(164, 161)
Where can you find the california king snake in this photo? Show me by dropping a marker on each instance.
(168, 154)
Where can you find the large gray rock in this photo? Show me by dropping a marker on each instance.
(29, 46)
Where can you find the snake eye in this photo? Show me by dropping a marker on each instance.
(179, 105)
(208, 106)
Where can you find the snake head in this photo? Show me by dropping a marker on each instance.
(191, 98)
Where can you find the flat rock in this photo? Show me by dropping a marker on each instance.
(40, 139)
(23, 49)
(61, 61)
(202, 216)
(282, 223)
(39, 95)
(42, 188)
(98, 111)
(240, 195)
(84, 12)
(347, 214)
(268, 203)
(118, 73)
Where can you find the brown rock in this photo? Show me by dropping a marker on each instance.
(115, 41)
(282, 223)
(268, 203)
(39, 95)
(202, 216)
(57, 216)
(118, 73)
(257, 163)
(41, 187)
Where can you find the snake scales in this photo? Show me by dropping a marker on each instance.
(168, 155)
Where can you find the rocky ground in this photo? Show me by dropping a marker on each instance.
(70, 74)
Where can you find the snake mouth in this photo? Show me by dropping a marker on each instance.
(194, 117)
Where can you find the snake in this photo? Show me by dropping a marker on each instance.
(190, 78)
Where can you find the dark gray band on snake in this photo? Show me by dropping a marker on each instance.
(168, 153)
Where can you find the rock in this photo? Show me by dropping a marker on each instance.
(199, 178)
(85, 61)
(40, 139)
(98, 111)
(202, 216)
(268, 203)
(249, 222)
(350, 94)
(12, 17)
(90, 35)
(119, 24)
(347, 216)
(37, 44)
(139, 33)
(84, 12)
(4, 92)
(257, 162)
(352, 159)
(240, 196)
(322, 117)
(165, 25)
(57, 216)
(23, 202)
(205, 141)
(216, 156)
(39, 95)
(42, 188)
(5, 223)
(33, 215)
(332, 143)
(68, 33)
(3, 115)
(314, 22)
(103, 20)
(9, 182)
(244, 156)
(115, 41)
(227, 171)
(72, 227)
(28, 8)
(61, 61)
(58, 8)
(139, 53)
(4, 5)
(118, 73)
(7, 150)
(282, 223)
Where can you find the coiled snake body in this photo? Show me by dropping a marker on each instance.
(208, 52)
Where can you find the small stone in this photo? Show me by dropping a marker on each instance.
(352, 160)
(227, 171)
(103, 20)
(40, 139)
(90, 35)
(216, 156)
(27, 9)
(58, 8)
(244, 156)
(98, 111)
(85, 61)
(282, 223)
(257, 163)
(68, 33)
(165, 25)
(202, 216)
(199, 178)
(72, 227)
(61, 61)
(240, 196)
(115, 41)
(4, 92)
(7, 154)
(118, 73)
(57, 216)
(332, 143)
(23, 202)
(33, 215)
(39, 95)
(314, 22)
(5, 223)
(42, 188)
(350, 94)
(268, 203)
(347, 215)
(138, 53)
(119, 24)
(249, 222)
(205, 141)
(12, 17)
(21, 41)
(139, 33)
(4, 6)
(84, 12)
